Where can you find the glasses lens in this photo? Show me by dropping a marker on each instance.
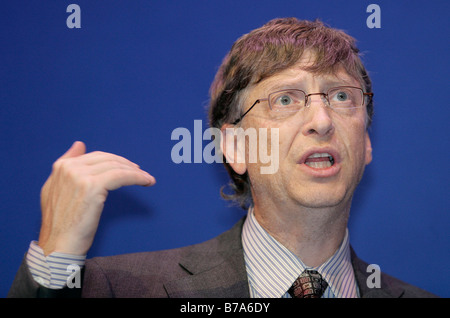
(345, 97)
(290, 100)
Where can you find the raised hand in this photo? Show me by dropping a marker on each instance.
(73, 197)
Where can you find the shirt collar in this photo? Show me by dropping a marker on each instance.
(272, 268)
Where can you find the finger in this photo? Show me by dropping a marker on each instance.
(104, 166)
(117, 178)
(97, 157)
(78, 148)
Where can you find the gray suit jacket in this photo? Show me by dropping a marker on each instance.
(214, 269)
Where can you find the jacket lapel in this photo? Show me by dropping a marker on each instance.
(226, 279)
(388, 288)
(216, 268)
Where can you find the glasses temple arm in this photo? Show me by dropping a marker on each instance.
(242, 116)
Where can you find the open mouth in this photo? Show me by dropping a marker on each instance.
(320, 160)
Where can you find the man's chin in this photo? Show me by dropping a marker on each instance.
(323, 201)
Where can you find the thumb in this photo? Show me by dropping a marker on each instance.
(78, 148)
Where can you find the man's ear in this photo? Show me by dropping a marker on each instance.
(368, 149)
(233, 148)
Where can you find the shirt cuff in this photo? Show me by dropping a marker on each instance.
(54, 270)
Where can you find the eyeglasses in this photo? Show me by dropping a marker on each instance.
(343, 99)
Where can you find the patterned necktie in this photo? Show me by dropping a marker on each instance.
(309, 284)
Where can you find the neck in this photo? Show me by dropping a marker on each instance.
(312, 234)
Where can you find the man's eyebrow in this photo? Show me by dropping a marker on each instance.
(275, 85)
(286, 85)
(342, 80)
(296, 84)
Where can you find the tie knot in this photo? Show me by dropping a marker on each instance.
(309, 284)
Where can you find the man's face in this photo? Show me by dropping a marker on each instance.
(315, 130)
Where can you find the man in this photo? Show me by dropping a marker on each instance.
(299, 79)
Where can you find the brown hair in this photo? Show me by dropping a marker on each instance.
(265, 51)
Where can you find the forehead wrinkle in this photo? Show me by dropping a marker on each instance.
(301, 79)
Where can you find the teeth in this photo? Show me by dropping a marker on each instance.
(320, 155)
(320, 163)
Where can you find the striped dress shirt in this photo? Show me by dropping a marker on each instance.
(272, 268)
(52, 271)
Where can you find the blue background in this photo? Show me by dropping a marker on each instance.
(136, 70)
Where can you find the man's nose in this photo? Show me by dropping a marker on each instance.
(317, 117)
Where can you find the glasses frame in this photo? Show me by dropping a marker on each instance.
(364, 103)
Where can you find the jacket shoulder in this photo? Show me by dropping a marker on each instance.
(388, 287)
(144, 274)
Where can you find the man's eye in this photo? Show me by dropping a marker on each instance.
(341, 96)
(284, 100)
(288, 100)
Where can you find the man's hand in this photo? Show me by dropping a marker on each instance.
(73, 197)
